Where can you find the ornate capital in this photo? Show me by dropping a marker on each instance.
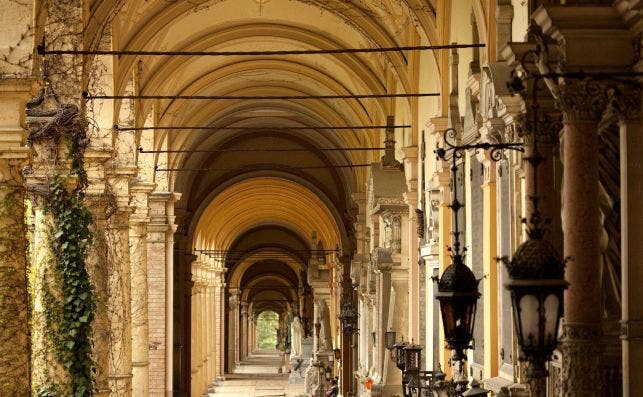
(582, 101)
(624, 103)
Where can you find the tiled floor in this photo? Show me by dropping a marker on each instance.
(258, 376)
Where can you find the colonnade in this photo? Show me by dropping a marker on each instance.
(207, 343)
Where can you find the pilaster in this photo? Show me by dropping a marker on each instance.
(15, 343)
(139, 220)
(490, 267)
(631, 165)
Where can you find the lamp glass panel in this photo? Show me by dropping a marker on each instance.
(529, 315)
(552, 309)
(389, 336)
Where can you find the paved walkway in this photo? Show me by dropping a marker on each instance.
(258, 376)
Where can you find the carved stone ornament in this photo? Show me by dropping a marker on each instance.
(382, 259)
(581, 369)
(582, 100)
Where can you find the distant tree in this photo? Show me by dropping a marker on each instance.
(267, 325)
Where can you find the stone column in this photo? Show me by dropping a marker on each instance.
(196, 345)
(411, 199)
(219, 334)
(244, 331)
(490, 268)
(118, 303)
(210, 335)
(138, 255)
(631, 247)
(15, 343)
(159, 263)
(233, 329)
(582, 230)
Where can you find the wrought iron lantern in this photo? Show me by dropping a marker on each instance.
(412, 357)
(389, 339)
(458, 295)
(412, 364)
(457, 289)
(348, 317)
(537, 285)
(400, 359)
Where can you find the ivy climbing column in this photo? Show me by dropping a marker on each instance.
(14, 301)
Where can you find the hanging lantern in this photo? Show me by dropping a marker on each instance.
(338, 354)
(537, 285)
(400, 359)
(458, 295)
(412, 364)
(389, 338)
(348, 317)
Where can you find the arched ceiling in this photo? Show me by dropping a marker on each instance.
(264, 201)
(236, 196)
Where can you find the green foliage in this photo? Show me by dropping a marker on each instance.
(70, 311)
(267, 325)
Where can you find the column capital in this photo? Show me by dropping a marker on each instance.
(583, 101)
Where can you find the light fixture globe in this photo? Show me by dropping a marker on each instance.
(536, 285)
(458, 295)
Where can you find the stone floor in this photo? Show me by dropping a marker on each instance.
(258, 376)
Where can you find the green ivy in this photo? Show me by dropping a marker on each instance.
(71, 313)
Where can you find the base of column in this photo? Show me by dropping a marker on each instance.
(581, 355)
(120, 385)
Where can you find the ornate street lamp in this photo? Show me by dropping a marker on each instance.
(412, 364)
(536, 282)
(348, 317)
(458, 295)
(457, 289)
(400, 362)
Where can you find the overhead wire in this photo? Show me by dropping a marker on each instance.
(141, 150)
(289, 128)
(236, 169)
(88, 96)
(42, 50)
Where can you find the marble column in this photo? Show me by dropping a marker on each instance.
(582, 230)
(15, 343)
(138, 254)
(631, 146)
